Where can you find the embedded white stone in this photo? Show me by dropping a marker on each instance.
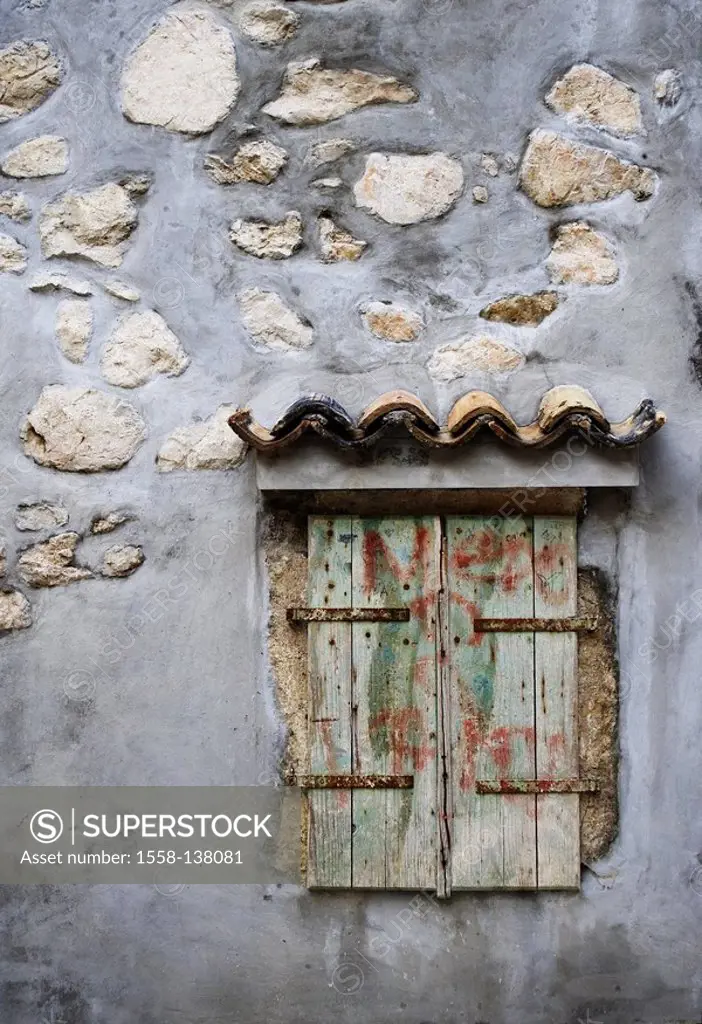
(271, 322)
(40, 515)
(259, 161)
(483, 354)
(122, 560)
(74, 326)
(268, 23)
(95, 225)
(15, 610)
(581, 255)
(313, 94)
(109, 522)
(404, 189)
(29, 73)
(587, 94)
(121, 290)
(37, 158)
(392, 322)
(183, 76)
(50, 563)
(81, 430)
(15, 206)
(556, 171)
(142, 346)
(328, 151)
(211, 444)
(327, 184)
(277, 241)
(489, 164)
(13, 255)
(336, 243)
(667, 87)
(60, 282)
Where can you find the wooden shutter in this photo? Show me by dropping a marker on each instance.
(329, 646)
(513, 702)
(373, 700)
(491, 690)
(556, 670)
(432, 696)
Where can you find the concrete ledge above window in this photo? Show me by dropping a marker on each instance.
(396, 463)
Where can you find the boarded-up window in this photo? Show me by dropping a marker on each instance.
(482, 714)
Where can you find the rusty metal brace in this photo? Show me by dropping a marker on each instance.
(504, 787)
(348, 614)
(575, 624)
(354, 781)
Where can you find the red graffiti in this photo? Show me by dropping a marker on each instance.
(486, 548)
(331, 762)
(472, 739)
(420, 555)
(422, 607)
(425, 672)
(473, 612)
(373, 549)
(496, 744)
(555, 751)
(404, 730)
(551, 570)
(419, 570)
(330, 759)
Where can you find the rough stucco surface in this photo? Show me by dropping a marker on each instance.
(164, 676)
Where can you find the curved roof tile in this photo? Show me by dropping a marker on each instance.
(563, 410)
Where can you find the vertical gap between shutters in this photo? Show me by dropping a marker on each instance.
(443, 722)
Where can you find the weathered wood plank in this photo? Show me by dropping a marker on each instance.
(395, 562)
(492, 686)
(555, 596)
(329, 644)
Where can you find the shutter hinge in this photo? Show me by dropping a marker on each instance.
(504, 787)
(348, 614)
(575, 624)
(353, 781)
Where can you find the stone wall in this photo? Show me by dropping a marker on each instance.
(214, 203)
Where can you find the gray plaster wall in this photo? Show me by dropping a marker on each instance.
(109, 686)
